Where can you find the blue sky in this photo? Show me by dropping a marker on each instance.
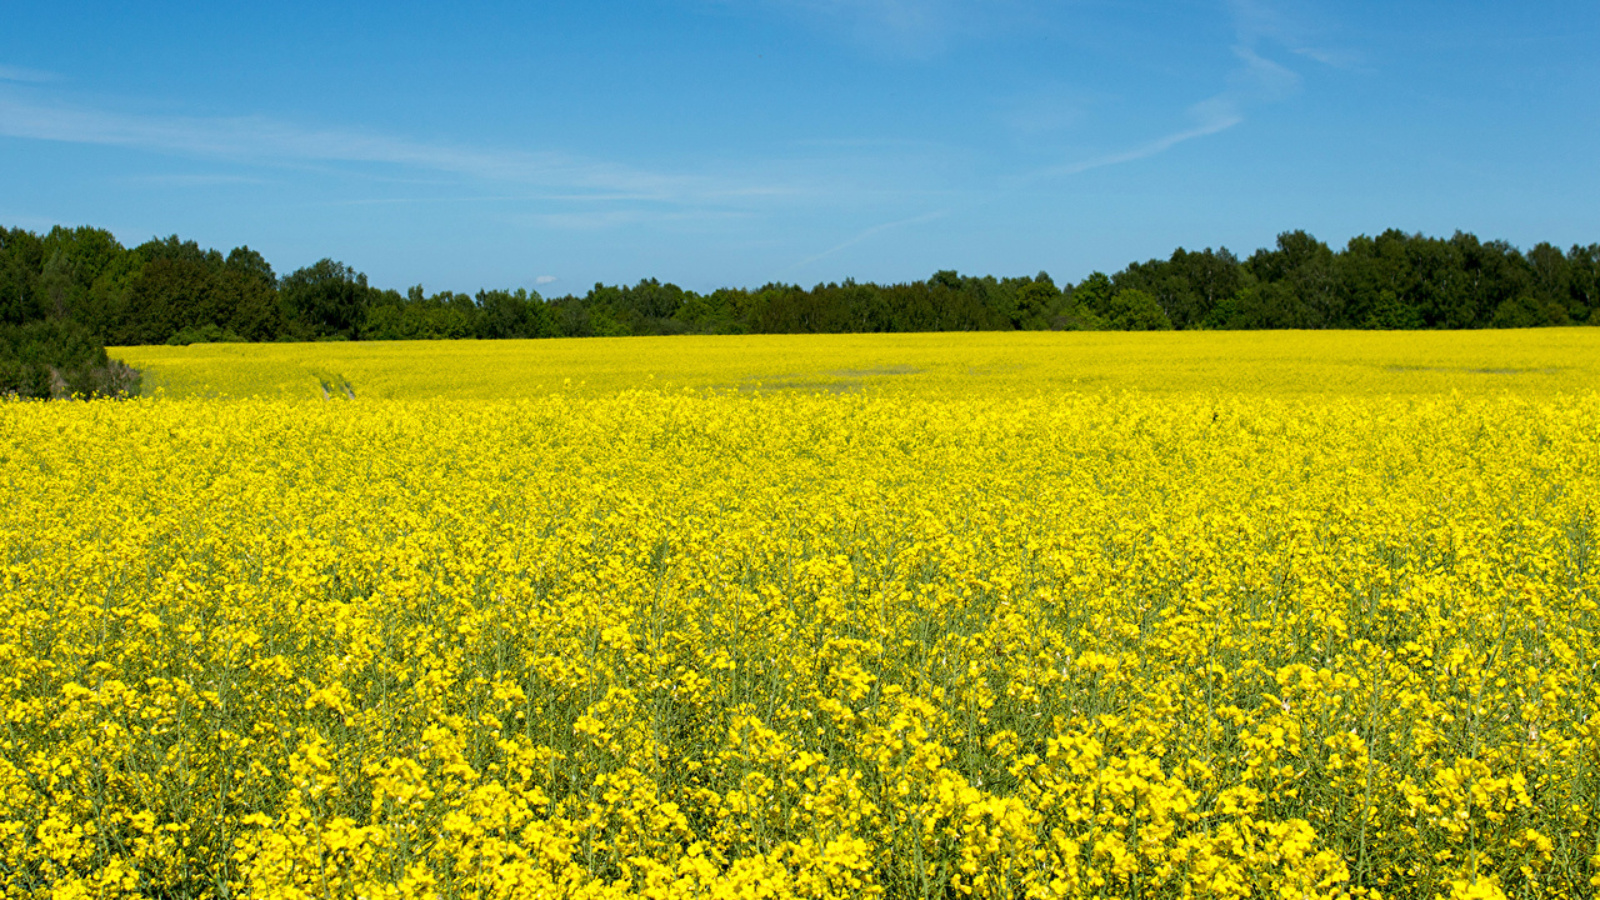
(735, 142)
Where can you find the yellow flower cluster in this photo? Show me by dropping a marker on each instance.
(1534, 362)
(892, 642)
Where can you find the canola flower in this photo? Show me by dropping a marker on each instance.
(898, 642)
(1528, 362)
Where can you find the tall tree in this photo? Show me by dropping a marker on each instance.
(1551, 275)
(1583, 284)
(325, 299)
(1304, 269)
(168, 295)
(21, 258)
(77, 262)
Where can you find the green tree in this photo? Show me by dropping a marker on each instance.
(513, 314)
(325, 299)
(1305, 290)
(1377, 278)
(1388, 312)
(962, 303)
(169, 295)
(53, 358)
(713, 313)
(1262, 305)
(1093, 294)
(1583, 283)
(1492, 273)
(1528, 311)
(1136, 310)
(74, 258)
(1551, 273)
(251, 292)
(21, 258)
(1036, 302)
(1188, 286)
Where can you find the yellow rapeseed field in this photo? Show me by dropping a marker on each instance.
(1526, 362)
(1171, 616)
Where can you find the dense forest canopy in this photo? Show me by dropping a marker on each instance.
(67, 294)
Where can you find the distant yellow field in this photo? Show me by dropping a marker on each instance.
(1537, 361)
(1021, 616)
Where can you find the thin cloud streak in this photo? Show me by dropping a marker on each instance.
(1145, 151)
(189, 180)
(499, 198)
(27, 76)
(1262, 78)
(599, 220)
(259, 140)
(864, 235)
(917, 28)
(901, 29)
(1257, 80)
(1256, 21)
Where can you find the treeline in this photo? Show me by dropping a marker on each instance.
(81, 288)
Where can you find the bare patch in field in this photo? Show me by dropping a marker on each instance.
(1471, 370)
(882, 370)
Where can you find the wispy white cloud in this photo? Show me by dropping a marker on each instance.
(1255, 20)
(900, 27)
(590, 220)
(27, 76)
(545, 279)
(16, 219)
(1292, 25)
(1337, 58)
(1262, 79)
(1214, 116)
(606, 219)
(189, 180)
(913, 29)
(586, 199)
(864, 235)
(1044, 110)
(260, 140)
(1258, 79)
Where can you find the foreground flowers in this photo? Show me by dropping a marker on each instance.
(683, 643)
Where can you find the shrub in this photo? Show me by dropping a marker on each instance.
(55, 358)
